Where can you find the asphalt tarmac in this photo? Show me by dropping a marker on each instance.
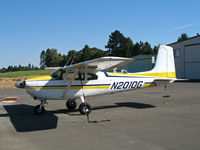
(140, 119)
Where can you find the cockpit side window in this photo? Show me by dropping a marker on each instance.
(92, 76)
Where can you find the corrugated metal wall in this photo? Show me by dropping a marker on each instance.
(192, 62)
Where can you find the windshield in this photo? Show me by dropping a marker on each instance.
(59, 75)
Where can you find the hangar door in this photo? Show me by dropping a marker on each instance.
(192, 62)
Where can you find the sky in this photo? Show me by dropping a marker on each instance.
(29, 26)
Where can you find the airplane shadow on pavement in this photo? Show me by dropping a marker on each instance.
(24, 120)
(126, 104)
(116, 105)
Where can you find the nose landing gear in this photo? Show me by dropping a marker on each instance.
(39, 109)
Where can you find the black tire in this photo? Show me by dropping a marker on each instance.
(39, 111)
(71, 104)
(85, 108)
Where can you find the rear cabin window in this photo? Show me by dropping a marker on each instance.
(92, 76)
(79, 76)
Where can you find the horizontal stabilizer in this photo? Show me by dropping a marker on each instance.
(163, 82)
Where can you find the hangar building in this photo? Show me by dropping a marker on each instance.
(187, 58)
(141, 63)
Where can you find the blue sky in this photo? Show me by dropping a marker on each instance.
(29, 26)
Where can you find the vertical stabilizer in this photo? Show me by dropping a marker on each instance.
(165, 62)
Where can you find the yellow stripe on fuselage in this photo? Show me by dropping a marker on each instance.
(159, 74)
(72, 87)
(40, 78)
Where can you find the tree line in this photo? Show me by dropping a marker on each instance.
(19, 68)
(118, 45)
(51, 58)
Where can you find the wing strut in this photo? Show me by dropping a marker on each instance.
(70, 83)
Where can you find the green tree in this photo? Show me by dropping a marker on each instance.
(114, 43)
(51, 57)
(144, 48)
(3, 70)
(42, 59)
(183, 37)
(147, 48)
(29, 66)
(60, 60)
(85, 53)
(118, 45)
(126, 47)
(136, 49)
(96, 53)
(20, 68)
(15, 68)
(10, 68)
(155, 50)
(73, 57)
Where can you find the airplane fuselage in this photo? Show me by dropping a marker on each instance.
(107, 82)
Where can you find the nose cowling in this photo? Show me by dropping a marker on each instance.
(20, 84)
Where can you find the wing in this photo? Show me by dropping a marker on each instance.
(103, 63)
(53, 68)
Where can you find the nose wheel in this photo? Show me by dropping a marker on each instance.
(39, 109)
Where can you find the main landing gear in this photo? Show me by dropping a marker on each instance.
(71, 104)
(84, 107)
(39, 109)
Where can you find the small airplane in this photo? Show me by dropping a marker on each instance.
(90, 78)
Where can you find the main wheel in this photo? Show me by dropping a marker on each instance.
(38, 110)
(71, 104)
(85, 108)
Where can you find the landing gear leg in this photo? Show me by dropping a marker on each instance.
(84, 107)
(39, 109)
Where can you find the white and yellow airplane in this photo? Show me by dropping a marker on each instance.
(89, 79)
